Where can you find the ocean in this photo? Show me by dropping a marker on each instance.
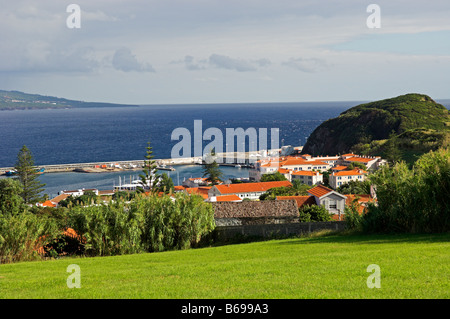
(61, 136)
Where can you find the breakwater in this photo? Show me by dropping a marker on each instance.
(112, 166)
(238, 158)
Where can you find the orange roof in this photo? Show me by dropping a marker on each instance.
(362, 201)
(48, 203)
(351, 172)
(283, 171)
(359, 159)
(250, 187)
(228, 198)
(301, 161)
(179, 188)
(319, 191)
(301, 200)
(349, 154)
(306, 173)
(339, 168)
(59, 198)
(202, 191)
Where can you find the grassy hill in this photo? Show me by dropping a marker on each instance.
(333, 266)
(15, 100)
(413, 122)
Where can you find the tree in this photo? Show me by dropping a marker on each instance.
(27, 176)
(273, 177)
(354, 165)
(212, 170)
(11, 203)
(149, 177)
(165, 184)
(317, 213)
(391, 151)
(355, 187)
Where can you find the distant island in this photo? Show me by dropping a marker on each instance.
(16, 100)
(400, 128)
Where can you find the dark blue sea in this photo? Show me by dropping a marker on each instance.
(121, 133)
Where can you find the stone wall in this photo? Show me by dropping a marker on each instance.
(275, 230)
(255, 209)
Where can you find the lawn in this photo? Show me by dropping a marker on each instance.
(332, 266)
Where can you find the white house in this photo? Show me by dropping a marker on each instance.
(307, 177)
(245, 190)
(332, 200)
(342, 177)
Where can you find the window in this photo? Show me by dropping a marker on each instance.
(333, 204)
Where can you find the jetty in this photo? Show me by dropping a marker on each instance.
(113, 166)
(239, 159)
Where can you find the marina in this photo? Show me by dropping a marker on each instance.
(233, 159)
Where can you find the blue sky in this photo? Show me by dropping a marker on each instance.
(225, 51)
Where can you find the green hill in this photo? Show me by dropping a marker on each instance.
(410, 124)
(16, 100)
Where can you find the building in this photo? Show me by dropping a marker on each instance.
(195, 182)
(371, 162)
(225, 198)
(332, 200)
(255, 212)
(307, 177)
(246, 190)
(321, 195)
(300, 164)
(340, 178)
(79, 192)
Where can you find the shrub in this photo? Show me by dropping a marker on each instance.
(22, 236)
(412, 200)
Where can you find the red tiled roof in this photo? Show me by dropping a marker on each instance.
(59, 198)
(301, 200)
(359, 159)
(306, 173)
(202, 191)
(251, 187)
(349, 173)
(301, 161)
(339, 168)
(319, 191)
(228, 198)
(48, 203)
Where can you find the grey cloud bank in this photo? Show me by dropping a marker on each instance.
(309, 50)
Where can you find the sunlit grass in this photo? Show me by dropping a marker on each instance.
(327, 266)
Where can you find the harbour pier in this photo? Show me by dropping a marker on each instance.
(240, 159)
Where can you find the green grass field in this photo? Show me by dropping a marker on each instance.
(333, 266)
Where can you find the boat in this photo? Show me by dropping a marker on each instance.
(40, 170)
(237, 166)
(11, 172)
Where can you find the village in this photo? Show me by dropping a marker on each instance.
(323, 174)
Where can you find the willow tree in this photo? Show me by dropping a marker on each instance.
(27, 175)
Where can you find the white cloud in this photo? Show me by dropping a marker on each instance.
(305, 64)
(125, 60)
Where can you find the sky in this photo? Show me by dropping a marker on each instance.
(225, 51)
